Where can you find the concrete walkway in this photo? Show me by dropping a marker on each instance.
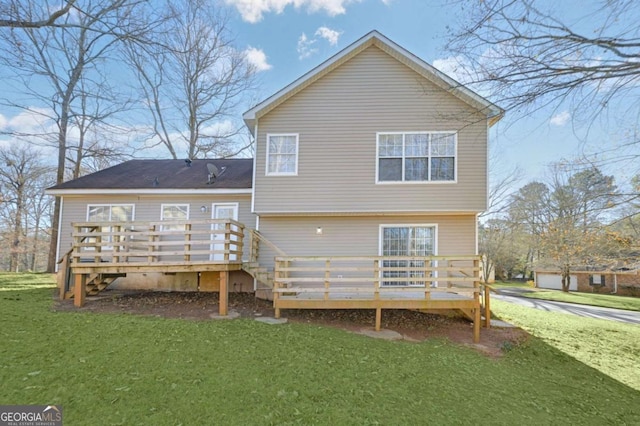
(620, 315)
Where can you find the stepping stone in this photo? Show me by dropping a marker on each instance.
(231, 315)
(382, 334)
(502, 324)
(271, 320)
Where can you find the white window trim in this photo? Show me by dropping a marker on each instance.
(236, 211)
(418, 182)
(162, 207)
(295, 172)
(111, 206)
(411, 225)
(236, 206)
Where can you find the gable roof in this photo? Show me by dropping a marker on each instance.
(158, 176)
(374, 38)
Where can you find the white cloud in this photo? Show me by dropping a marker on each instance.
(257, 58)
(253, 10)
(560, 119)
(328, 34)
(3, 122)
(455, 67)
(305, 47)
(33, 120)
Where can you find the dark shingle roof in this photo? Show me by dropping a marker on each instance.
(166, 174)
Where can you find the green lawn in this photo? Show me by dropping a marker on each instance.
(510, 284)
(123, 369)
(611, 347)
(604, 300)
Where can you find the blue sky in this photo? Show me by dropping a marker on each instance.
(290, 37)
(286, 38)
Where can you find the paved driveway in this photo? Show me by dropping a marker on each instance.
(511, 296)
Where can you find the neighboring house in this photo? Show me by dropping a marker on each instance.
(372, 153)
(623, 282)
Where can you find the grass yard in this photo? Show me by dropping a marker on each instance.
(610, 347)
(125, 370)
(604, 300)
(511, 284)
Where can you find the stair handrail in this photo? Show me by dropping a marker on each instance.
(256, 234)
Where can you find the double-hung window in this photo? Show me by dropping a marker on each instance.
(174, 212)
(282, 154)
(417, 157)
(109, 213)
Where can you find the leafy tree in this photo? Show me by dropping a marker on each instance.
(575, 234)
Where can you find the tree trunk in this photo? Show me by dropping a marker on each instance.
(566, 278)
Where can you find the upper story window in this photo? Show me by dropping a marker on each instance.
(174, 212)
(282, 154)
(417, 157)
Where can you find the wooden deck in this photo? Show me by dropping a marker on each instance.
(104, 251)
(108, 249)
(380, 282)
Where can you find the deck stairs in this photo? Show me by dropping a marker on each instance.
(264, 276)
(98, 282)
(95, 282)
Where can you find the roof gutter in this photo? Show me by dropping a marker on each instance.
(115, 191)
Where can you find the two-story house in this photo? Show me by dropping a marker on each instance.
(369, 164)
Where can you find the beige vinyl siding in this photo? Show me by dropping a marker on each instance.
(337, 118)
(148, 208)
(359, 235)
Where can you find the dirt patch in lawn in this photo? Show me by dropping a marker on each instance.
(412, 325)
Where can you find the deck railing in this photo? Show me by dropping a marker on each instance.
(377, 276)
(158, 242)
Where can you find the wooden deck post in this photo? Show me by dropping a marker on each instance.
(276, 286)
(80, 290)
(187, 242)
(327, 277)
(378, 318)
(223, 302)
(487, 306)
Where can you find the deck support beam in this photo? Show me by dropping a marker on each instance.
(487, 307)
(80, 290)
(476, 325)
(224, 294)
(378, 318)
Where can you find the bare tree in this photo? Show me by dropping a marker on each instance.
(193, 80)
(528, 57)
(20, 14)
(52, 67)
(23, 178)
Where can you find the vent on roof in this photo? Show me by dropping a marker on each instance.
(188, 162)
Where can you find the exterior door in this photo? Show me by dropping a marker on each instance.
(222, 211)
(406, 240)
